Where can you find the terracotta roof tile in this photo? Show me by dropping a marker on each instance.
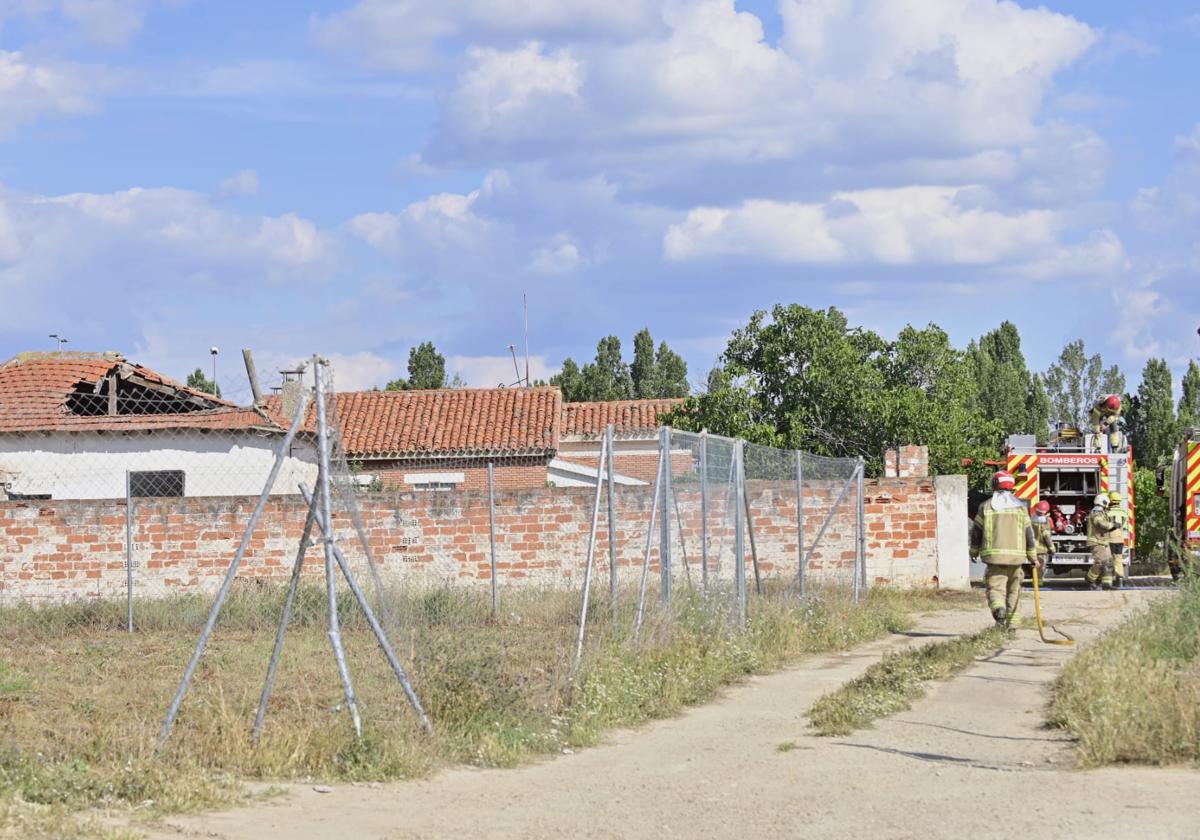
(582, 420)
(463, 422)
(37, 390)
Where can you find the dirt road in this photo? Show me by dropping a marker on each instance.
(970, 760)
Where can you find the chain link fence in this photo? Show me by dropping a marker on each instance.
(137, 488)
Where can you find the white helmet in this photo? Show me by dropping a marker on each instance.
(1102, 500)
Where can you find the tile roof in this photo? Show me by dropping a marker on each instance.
(37, 391)
(582, 420)
(449, 422)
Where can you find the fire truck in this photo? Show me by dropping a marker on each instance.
(1069, 472)
(1184, 500)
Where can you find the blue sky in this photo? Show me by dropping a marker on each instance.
(353, 177)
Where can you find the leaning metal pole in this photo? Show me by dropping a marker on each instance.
(800, 520)
(325, 515)
(704, 510)
(758, 589)
(612, 519)
(280, 454)
(128, 552)
(492, 537)
(861, 547)
(286, 617)
(664, 552)
(591, 555)
(641, 605)
(739, 541)
(388, 652)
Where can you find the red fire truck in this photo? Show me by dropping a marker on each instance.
(1069, 472)
(1184, 497)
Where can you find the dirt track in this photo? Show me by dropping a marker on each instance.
(970, 760)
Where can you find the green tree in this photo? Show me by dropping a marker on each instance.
(197, 381)
(642, 371)
(1151, 414)
(1076, 381)
(652, 374)
(805, 379)
(1153, 518)
(426, 370)
(1189, 403)
(670, 374)
(608, 378)
(1008, 392)
(570, 381)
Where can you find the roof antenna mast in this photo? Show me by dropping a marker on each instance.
(525, 305)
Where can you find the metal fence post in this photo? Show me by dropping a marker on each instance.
(128, 552)
(591, 555)
(665, 546)
(492, 535)
(739, 527)
(704, 509)
(800, 520)
(612, 518)
(861, 548)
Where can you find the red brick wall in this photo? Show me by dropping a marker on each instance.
(55, 550)
(510, 473)
(639, 465)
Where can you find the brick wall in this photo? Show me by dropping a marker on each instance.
(55, 550)
(510, 473)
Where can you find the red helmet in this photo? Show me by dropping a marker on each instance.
(1042, 507)
(1003, 480)
(1113, 402)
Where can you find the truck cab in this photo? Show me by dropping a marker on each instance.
(1184, 501)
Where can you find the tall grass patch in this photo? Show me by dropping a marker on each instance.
(1133, 696)
(81, 700)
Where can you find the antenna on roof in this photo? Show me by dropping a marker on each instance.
(60, 339)
(512, 348)
(525, 306)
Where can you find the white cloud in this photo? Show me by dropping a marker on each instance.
(361, 371)
(30, 90)
(922, 224)
(876, 79)
(490, 371)
(108, 23)
(441, 223)
(86, 251)
(409, 35)
(560, 256)
(243, 183)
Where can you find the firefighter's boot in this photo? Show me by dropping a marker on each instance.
(1000, 614)
(1093, 581)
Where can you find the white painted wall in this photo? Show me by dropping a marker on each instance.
(92, 465)
(953, 532)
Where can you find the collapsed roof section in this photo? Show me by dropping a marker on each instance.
(97, 392)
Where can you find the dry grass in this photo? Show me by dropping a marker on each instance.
(892, 684)
(81, 701)
(1134, 695)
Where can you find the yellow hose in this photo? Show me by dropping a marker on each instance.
(1037, 607)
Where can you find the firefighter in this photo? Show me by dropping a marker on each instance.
(1002, 537)
(1100, 526)
(1116, 540)
(1041, 535)
(1104, 418)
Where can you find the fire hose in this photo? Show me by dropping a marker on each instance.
(1037, 608)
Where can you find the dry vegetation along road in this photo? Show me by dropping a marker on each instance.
(972, 759)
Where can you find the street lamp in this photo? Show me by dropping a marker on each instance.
(214, 351)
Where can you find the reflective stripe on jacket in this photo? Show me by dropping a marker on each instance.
(1120, 522)
(1003, 537)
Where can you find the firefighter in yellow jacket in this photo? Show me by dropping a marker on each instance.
(1100, 526)
(1042, 536)
(1118, 537)
(1002, 537)
(1105, 417)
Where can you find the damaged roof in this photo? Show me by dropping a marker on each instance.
(69, 392)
